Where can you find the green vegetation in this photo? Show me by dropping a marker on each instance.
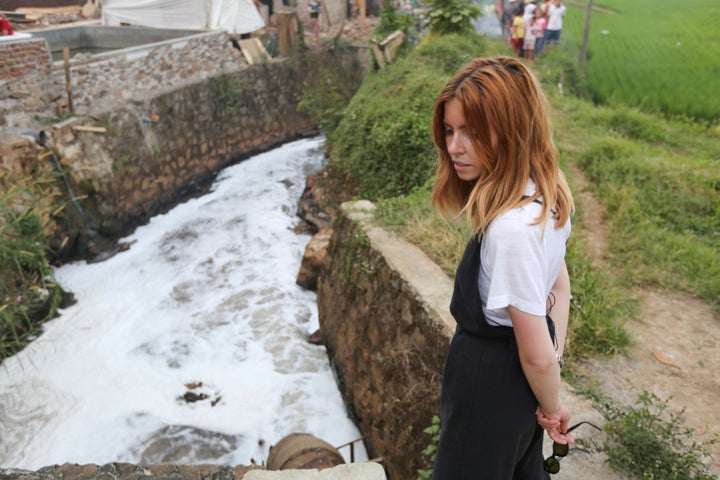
(452, 16)
(382, 140)
(648, 441)
(27, 291)
(658, 181)
(391, 21)
(430, 452)
(658, 55)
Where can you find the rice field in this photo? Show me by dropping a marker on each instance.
(656, 54)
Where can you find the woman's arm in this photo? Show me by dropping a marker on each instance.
(537, 357)
(560, 312)
(538, 360)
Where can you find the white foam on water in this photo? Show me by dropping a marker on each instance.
(205, 294)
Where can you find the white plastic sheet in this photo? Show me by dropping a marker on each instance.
(233, 16)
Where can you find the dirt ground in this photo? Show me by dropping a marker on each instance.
(675, 351)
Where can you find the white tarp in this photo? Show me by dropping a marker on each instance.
(234, 16)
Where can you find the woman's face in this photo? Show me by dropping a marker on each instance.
(457, 138)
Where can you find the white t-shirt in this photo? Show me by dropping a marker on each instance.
(519, 263)
(555, 17)
(529, 11)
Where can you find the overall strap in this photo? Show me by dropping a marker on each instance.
(466, 305)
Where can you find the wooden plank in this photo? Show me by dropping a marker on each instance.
(326, 12)
(254, 51)
(89, 128)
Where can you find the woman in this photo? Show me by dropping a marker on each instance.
(497, 165)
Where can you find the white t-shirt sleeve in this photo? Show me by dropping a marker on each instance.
(515, 264)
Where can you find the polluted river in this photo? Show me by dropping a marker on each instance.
(189, 347)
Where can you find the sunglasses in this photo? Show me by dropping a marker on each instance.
(552, 463)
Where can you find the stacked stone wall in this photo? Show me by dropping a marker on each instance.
(112, 80)
(383, 311)
(133, 161)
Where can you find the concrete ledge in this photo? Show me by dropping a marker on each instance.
(433, 287)
(351, 471)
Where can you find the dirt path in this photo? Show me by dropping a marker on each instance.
(675, 353)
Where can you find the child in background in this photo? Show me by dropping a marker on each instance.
(517, 33)
(541, 22)
(314, 8)
(532, 31)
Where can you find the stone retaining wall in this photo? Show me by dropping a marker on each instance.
(130, 162)
(383, 310)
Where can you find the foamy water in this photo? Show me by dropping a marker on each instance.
(205, 294)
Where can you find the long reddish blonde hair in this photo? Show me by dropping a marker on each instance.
(500, 97)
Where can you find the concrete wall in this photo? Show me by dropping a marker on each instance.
(383, 310)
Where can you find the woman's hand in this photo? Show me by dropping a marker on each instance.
(556, 424)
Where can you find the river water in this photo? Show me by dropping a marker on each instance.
(204, 306)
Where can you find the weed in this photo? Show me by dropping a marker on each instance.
(430, 452)
(648, 441)
(28, 293)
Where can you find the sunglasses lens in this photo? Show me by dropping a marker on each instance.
(560, 449)
(552, 465)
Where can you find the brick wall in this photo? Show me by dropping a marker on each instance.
(10, 5)
(24, 57)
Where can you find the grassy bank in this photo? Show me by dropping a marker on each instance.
(658, 183)
(657, 179)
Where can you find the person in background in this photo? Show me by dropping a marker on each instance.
(5, 27)
(506, 19)
(314, 7)
(555, 13)
(517, 32)
(541, 23)
(532, 32)
(529, 10)
(497, 165)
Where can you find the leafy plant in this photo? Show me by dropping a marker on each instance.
(648, 441)
(391, 21)
(430, 452)
(452, 16)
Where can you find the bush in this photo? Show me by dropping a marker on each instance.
(384, 138)
(452, 16)
(642, 442)
(28, 294)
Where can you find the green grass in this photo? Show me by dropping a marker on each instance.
(658, 180)
(659, 183)
(660, 55)
(28, 294)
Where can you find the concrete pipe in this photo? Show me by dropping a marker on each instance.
(303, 451)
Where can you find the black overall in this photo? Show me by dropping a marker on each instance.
(489, 430)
